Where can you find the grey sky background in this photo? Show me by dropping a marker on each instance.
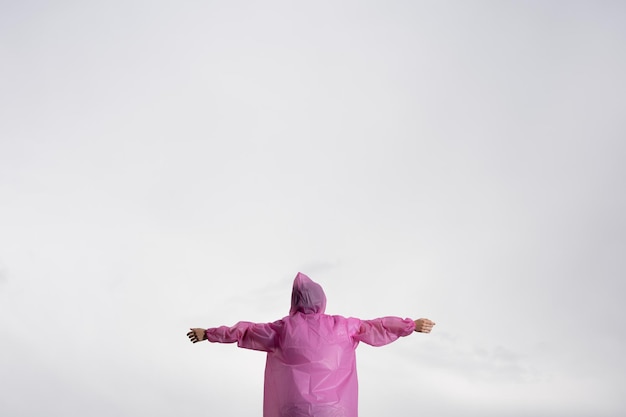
(173, 164)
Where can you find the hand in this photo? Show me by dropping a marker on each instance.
(424, 325)
(196, 335)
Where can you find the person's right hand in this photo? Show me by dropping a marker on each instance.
(196, 335)
(424, 325)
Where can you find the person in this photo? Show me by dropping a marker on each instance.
(310, 369)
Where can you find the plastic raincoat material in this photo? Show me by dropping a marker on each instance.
(311, 362)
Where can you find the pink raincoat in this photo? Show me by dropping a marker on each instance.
(311, 362)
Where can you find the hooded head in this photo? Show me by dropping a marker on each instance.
(307, 296)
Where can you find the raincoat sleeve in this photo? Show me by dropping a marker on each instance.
(382, 331)
(256, 336)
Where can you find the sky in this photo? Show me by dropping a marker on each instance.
(167, 165)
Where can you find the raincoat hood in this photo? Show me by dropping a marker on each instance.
(307, 296)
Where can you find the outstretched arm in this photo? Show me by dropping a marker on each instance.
(382, 331)
(257, 336)
(424, 325)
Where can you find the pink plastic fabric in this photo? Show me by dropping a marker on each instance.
(311, 363)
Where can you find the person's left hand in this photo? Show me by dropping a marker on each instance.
(197, 335)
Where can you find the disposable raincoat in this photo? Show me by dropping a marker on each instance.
(311, 363)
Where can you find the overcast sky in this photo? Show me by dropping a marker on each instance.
(169, 164)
